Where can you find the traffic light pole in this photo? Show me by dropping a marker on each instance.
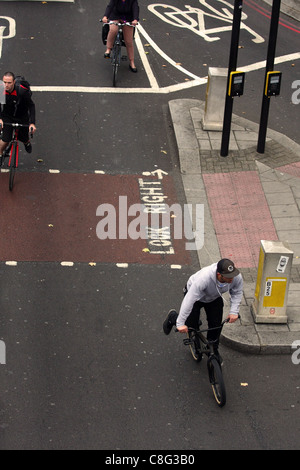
(237, 14)
(269, 67)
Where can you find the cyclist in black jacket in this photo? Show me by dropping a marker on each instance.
(19, 108)
(122, 11)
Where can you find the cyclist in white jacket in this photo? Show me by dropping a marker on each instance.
(205, 289)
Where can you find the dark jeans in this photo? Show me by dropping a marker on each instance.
(214, 315)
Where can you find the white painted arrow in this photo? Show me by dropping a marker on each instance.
(159, 173)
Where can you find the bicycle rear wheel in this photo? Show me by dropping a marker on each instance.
(12, 168)
(217, 381)
(195, 346)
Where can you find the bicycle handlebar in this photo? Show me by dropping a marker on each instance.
(125, 23)
(214, 328)
(14, 124)
(209, 329)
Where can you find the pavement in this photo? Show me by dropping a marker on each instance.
(247, 197)
(289, 7)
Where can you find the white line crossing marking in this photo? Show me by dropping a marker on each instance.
(145, 61)
(278, 60)
(165, 56)
(164, 90)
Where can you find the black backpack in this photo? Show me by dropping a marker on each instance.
(22, 84)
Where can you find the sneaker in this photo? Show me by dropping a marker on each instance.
(28, 147)
(170, 321)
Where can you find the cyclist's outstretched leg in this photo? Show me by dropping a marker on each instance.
(170, 321)
(6, 153)
(112, 33)
(128, 39)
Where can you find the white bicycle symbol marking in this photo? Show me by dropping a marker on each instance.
(194, 18)
(11, 30)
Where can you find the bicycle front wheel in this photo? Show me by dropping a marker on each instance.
(12, 168)
(116, 59)
(217, 381)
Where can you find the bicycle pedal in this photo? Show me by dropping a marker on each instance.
(124, 57)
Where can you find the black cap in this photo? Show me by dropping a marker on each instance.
(227, 269)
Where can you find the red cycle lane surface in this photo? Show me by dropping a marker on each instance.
(52, 217)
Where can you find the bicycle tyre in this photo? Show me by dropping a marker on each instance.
(195, 347)
(116, 58)
(12, 168)
(217, 381)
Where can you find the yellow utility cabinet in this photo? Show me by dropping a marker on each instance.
(273, 276)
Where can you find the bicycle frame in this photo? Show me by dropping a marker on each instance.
(12, 150)
(14, 143)
(209, 351)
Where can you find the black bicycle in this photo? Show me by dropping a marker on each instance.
(116, 52)
(12, 152)
(199, 346)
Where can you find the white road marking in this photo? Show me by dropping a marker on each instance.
(278, 60)
(148, 70)
(163, 90)
(165, 56)
(11, 30)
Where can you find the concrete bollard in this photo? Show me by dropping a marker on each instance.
(215, 99)
(273, 276)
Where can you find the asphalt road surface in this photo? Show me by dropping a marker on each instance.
(87, 365)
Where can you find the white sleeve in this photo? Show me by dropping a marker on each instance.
(187, 304)
(236, 294)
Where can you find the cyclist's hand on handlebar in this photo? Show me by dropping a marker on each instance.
(105, 19)
(134, 22)
(182, 329)
(232, 318)
(32, 128)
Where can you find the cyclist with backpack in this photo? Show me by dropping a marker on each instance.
(18, 108)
